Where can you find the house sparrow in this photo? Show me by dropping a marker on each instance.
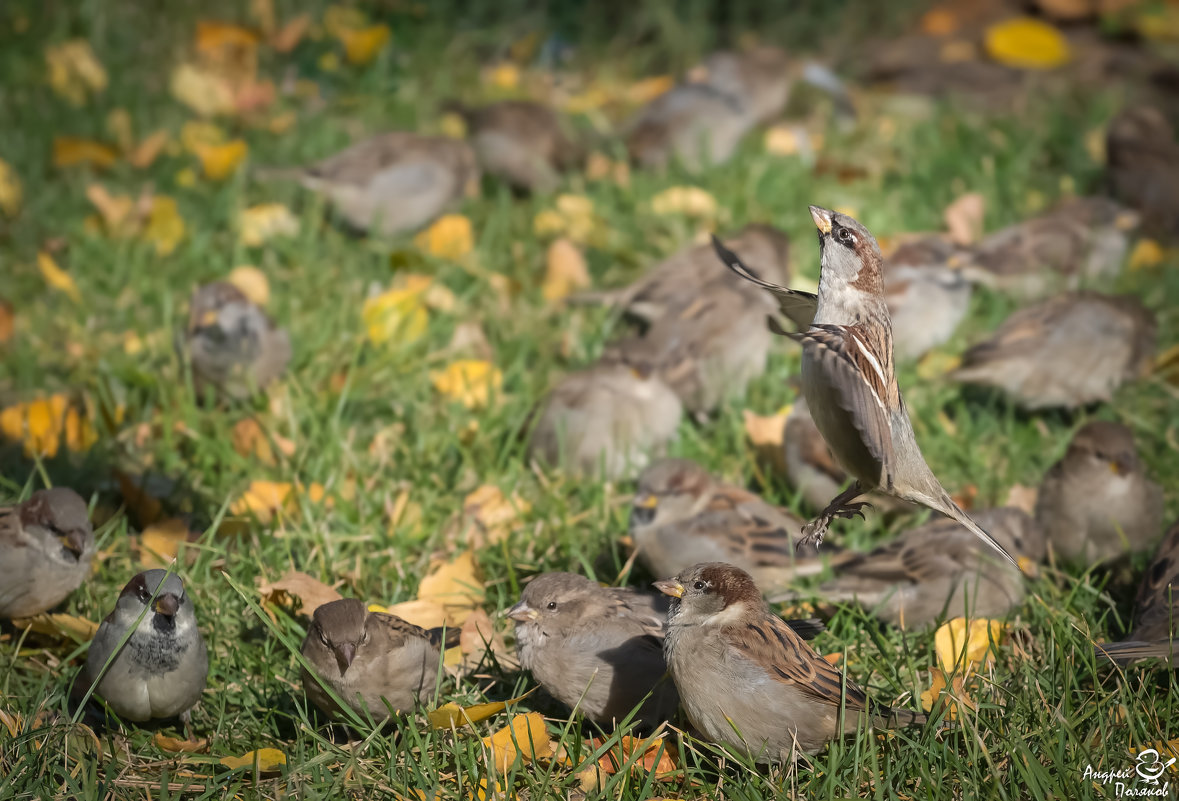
(746, 680)
(683, 516)
(938, 570)
(1142, 167)
(1068, 351)
(160, 671)
(46, 546)
(1097, 503)
(1156, 610)
(691, 272)
(520, 141)
(1081, 239)
(372, 661)
(608, 417)
(392, 182)
(693, 123)
(927, 295)
(848, 378)
(759, 79)
(597, 649)
(233, 347)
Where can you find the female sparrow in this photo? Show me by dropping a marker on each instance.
(160, 670)
(849, 381)
(938, 570)
(927, 295)
(393, 182)
(233, 347)
(1142, 167)
(695, 124)
(1156, 610)
(373, 662)
(46, 546)
(522, 142)
(1097, 502)
(746, 680)
(1068, 351)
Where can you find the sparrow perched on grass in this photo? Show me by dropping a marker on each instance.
(927, 295)
(848, 378)
(160, 671)
(937, 570)
(609, 417)
(1156, 609)
(392, 182)
(46, 546)
(522, 142)
(371, 661)
(746, 680)
(1082, 239)
(1068, 351)
(759, 79)
(1142, 167)
(683, 516)
(695, 124)
(234, 348)
(1097, 502)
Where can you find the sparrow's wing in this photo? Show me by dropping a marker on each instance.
(799, 306)
(1156, 610)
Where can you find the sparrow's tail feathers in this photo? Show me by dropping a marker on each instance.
(893, 718)
(951, 509)
(1125, 652)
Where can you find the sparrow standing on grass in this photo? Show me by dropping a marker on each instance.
(1142, 167)
(372, 661)
(46, 547)
(160, 671)
(1156, 610)
(927, 295)
(749, 682)
(849, 381)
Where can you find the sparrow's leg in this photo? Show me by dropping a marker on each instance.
(842, 506)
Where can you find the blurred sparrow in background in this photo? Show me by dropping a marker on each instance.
(1142, 167)
(927, 295)
(46, 547)
(1156, 610)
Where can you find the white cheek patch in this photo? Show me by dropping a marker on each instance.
(727, 616)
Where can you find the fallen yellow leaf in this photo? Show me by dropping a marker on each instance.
(455, 585)
(145, 153)
(691, 201)
(263, 500)
(165, 227)
(252, 282)
(74, 70)
(1147, 253)
(565, 270)
(647, 89)
(495, 513)
(1167, 365)
(574, 216)
(174, 745)
(11, 191)
(311, 593)
(44, 420)
(160, 542)
(264, 760)
(59, 625)
(525, 737)
(212, 36)
(361, 46)
(79, 432)
(117, 211)
(202, 90)
(220, 161)
(469, 381)
(504, 75)
(765, 435)
(397, 315)
(196, 134)
(70, 151)
(452, 715)
(426, 614)
(449, 237)
(962, 643)
(56, 277)
(259, 224)
(1026, 43)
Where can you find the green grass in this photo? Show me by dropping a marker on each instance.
(1045, 709)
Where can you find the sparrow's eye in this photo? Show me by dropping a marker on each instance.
(143, 594)
(324, 639)
(364, 638)
(699, 585)
(845, 237)
(552, 604)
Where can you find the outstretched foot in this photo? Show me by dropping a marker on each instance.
(843, 506)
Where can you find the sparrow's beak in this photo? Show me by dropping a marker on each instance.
(1118, 467)
(74, 542)
(670, 587)
(208, 319)
(345, 653)
(523, 612)
(822, 218)
(1127, 220)
(167, 604)
(643, 512)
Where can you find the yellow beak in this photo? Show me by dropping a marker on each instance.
(646, 501)
(822, 218)
(670, 587)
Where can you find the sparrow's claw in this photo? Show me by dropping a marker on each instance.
(812, 534)
(850, 510)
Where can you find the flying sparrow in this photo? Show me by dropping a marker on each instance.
(1068, 351)
(606, 418)
(683, 516)
(522, 142)
(692, 272)
(938, 570)
(927, 295)
(372, 661)
(160, 671)
(233, 347)
(746, 680)
(1080, 240)
(848, 378)
(1097, 503)
(46, 546)
(393, 182)
(1142, 167)
(1156, 610)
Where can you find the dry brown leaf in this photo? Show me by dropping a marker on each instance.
(565, 270)
(654, 755)
(59, 625)
(287, 37)
(455, 585)
(495, 514)
(311, 593)
(424, 613)
(964, 218)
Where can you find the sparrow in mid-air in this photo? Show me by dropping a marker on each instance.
(747, 680)
(46, 546)
(848, 377)
(159, 671)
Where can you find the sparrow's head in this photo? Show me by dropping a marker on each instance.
(60, 517)
(1135, 134)
(1103, 447)
(711, 594)
(209, 300)
(669, 490)
(848, 253)
(163, 594)
(554, 601)
(340, 629)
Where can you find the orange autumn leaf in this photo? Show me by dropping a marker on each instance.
(72, 151)
(471, 382)
(449, 237)
(218, 162)
(212, 36)
(264, 760)
(454, 585)
(962, 643)
(1027, 43)
(287, 37)
(160, 542)
(310, 592)
(525, 737)
(59, 625)
(652, 755)
(7, 321)
(361, 46)
(263, 500)
(175, 745)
